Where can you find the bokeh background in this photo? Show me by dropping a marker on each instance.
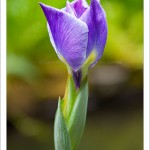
(36, 78)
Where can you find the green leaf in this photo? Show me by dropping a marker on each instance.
(77, 119)
(61, 136)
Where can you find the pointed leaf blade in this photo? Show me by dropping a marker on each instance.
(77, 119)
(61, 136)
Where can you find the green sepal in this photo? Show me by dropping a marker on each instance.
(76, 121)
(61, 135)
(89, 61)
(69, 98)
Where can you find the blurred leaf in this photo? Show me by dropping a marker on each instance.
(21, 67)
(34, 128)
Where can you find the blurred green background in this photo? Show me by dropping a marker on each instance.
(36, 78)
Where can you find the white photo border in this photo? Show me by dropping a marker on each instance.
(3, 75)
(146, 75)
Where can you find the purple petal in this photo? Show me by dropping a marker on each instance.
(69, 9)
(80, 6)
(95, 18)
(77, 78)
(68, 36)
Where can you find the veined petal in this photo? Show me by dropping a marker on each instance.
(68, 36)
(95, 18)
(80, 7)
(69, 9)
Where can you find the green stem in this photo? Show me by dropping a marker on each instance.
(71, 116)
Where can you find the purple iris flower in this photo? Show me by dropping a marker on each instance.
(77, 31)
